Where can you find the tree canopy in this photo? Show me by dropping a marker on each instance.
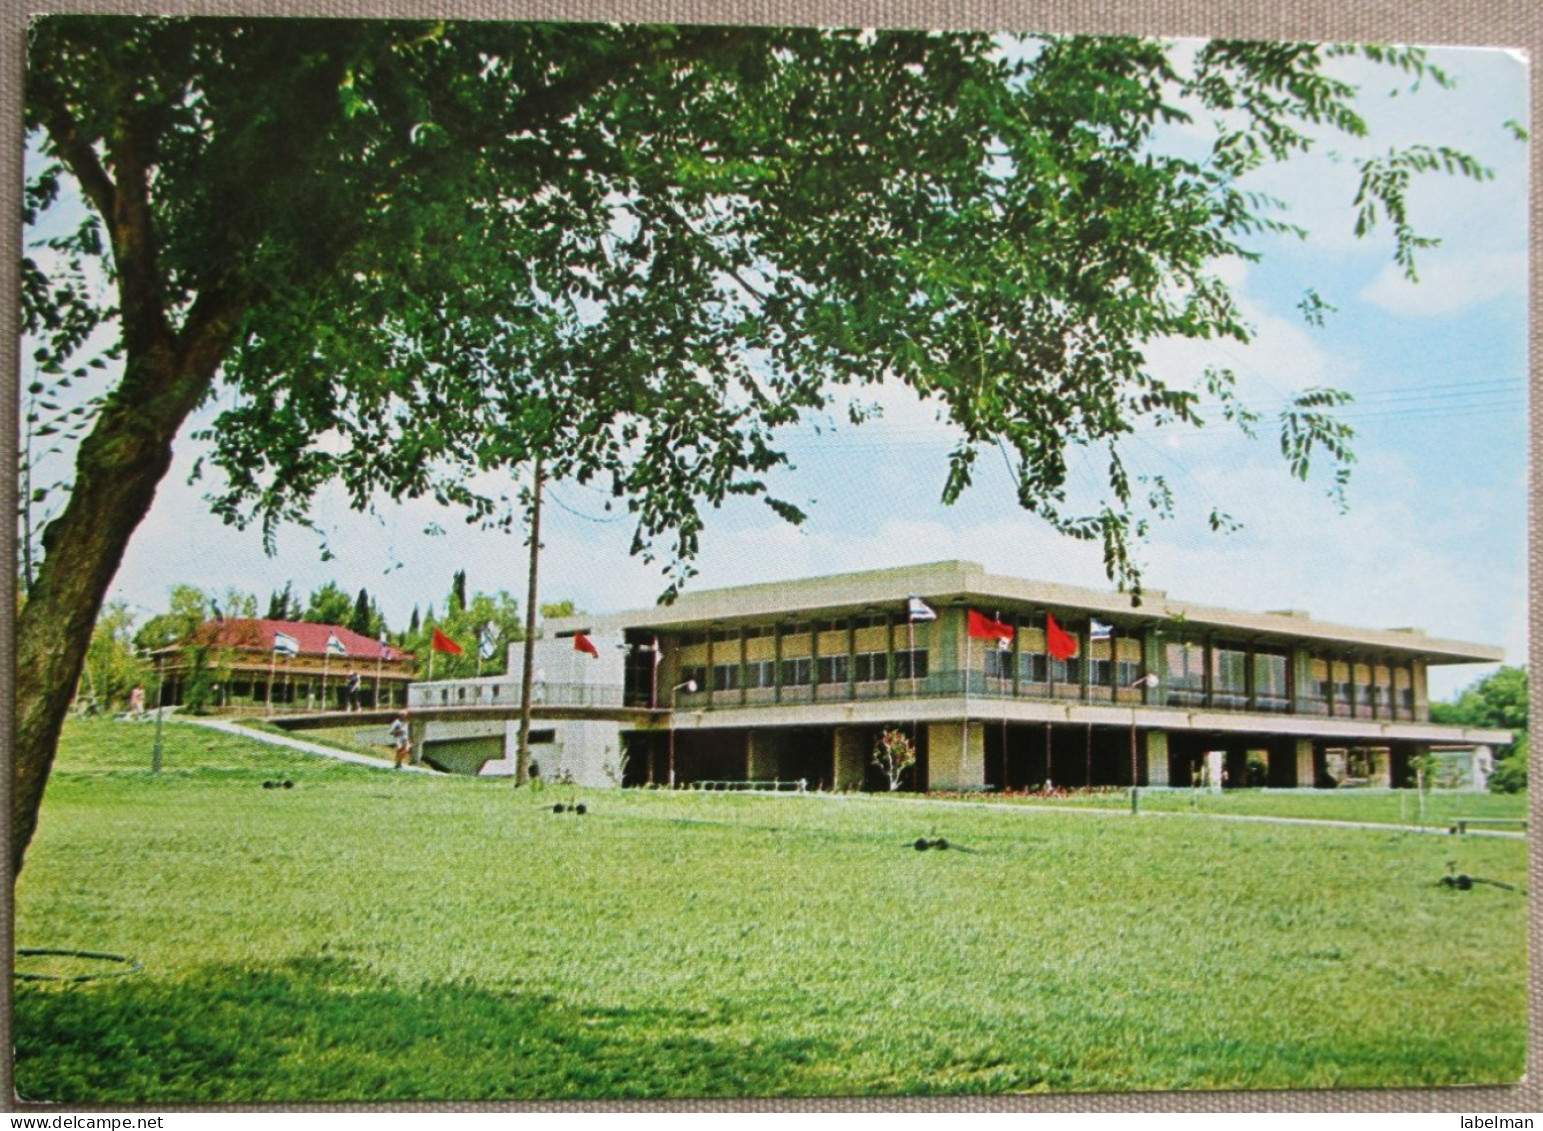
(419, 253)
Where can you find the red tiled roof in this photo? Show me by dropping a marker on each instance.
(312, 638)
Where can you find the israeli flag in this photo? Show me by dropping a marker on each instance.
(919, 611)
(285, 645)
(1099, 630)
(488, 641)
(335, 646)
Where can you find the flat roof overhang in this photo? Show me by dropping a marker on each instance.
(966, 583)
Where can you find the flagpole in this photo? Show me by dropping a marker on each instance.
(964, 746)
(380, 655)
(273, 667)
(326, 663)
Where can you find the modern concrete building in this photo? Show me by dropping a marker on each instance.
(1055, 685)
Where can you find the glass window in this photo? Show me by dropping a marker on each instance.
(833, 669)
(797, 672)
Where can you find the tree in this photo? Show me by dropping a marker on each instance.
(363, 620)
(418, 252)
(457, 600)
(328, 605)
(564, 608)
(112, 668)
(282, 605)
(1499, 701)
(187, 607)
(894, 754)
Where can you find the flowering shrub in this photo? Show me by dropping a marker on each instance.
(894, 754)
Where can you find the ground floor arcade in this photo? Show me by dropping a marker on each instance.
(1014, 756)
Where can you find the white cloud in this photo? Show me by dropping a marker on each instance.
(1449, 284)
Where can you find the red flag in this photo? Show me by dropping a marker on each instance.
(1061, 644)
(983, 627)
(443, 643)
(582, 643)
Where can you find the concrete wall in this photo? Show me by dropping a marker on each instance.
(1157, 757)
(955, 761)
(765, 748)
(558, 662)
(852, 756)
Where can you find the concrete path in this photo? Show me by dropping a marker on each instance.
(1321, 822)
(294, 743)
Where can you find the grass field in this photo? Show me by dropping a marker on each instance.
(378, 936)
(1377, 806)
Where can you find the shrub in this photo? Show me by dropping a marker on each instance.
(1510, 775)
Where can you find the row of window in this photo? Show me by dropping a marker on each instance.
(795, 628)
(800, 671)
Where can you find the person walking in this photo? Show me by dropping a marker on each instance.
(353, 691)
(137, 702)
(403, 740)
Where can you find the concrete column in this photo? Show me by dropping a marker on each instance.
(1306, 777)
(1157, 757)
(1483, 765)
(852, 756)
(954, 761)
(761, 755)
(1215, 762)
(1381, 762)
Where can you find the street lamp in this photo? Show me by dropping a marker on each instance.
(1147, 681)
(689, 687)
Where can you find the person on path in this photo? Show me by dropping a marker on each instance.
(399, 734)
(353, 691)
(137, 702)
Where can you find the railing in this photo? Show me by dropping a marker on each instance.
(459, 693)
(936, 685)
(953, 684)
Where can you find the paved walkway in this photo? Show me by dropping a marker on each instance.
(1321, 822)
(294, 743)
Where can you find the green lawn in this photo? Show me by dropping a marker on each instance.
(379, 936)
(1378, 806)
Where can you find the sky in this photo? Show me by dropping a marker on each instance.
(1434, 535)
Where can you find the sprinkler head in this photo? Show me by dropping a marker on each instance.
(558, 808)
(268, 785)
(922, 844)
(288, 784)
(940, 843)
(581, 808)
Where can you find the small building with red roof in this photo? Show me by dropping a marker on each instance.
(260, 664)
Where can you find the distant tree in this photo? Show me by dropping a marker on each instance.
(198, 680)
(894, 755)
(465, 626)
(282, 605)
(187, 608)
(1496, 702)
(112, 666)
(329, 605)
(457, 602)
(414, 623)
(235, 604)
(362, 621)
(563, 608)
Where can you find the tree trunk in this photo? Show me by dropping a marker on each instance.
(117, 471)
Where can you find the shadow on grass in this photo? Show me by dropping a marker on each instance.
(312, 1030)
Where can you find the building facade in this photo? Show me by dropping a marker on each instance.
(1002, 683)
(247, 671)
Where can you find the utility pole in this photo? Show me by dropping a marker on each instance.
(527, 677)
